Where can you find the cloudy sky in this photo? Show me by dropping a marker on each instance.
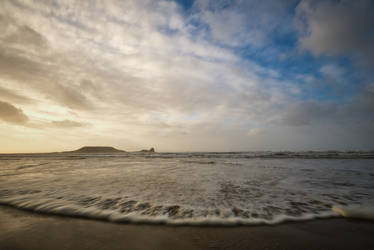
(186, 75)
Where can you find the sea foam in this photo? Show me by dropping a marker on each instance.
(355, 211)
(188, 189)
(49, 206)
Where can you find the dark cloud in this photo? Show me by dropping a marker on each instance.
(26, 36)
(13, 96)
(337, 28)
(358, 111)
(69, 96)
(66, 124)
(87, 85)
(42, 78)
(304, 113)
(24, 57)
(362, 106)
(11, 114)
(91, 88)
(20, 68)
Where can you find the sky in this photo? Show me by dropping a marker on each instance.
(186, 75)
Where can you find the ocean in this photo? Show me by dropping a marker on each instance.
(237, 188)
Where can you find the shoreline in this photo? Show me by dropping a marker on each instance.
(20, 229)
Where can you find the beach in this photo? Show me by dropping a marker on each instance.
(28, 230)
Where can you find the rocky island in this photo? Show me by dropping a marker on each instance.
(151, 150)
(105, 150)
(96, 149)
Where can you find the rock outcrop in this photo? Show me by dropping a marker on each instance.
(151, 150)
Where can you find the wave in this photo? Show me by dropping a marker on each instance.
(31, 165)
(199, 162)
(355, 212)
(271, 155)
(136, 216)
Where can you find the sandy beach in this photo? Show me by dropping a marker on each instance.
(27, 230)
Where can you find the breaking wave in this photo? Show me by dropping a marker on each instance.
(144, 213)
(355, 211)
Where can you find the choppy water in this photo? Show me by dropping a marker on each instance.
(210, 188)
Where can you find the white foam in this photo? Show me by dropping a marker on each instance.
(355, 212)
(51, 206)
(217, 221)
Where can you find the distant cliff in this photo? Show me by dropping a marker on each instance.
(96, 149)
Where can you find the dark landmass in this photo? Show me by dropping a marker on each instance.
(83, 150)
(96, 149)
(105, 149)
(151, 150)
(26, 230)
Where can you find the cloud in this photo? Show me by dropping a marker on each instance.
(11, 114)
(66, 124)
(332, 71)
(362, 106)
(72, 97)
(12, 96)
(242, 23)
(358, 112)
(24, 36)
(43, 78)
(254, 131)
(151, 72)
(304, 113)
(19, 67)
(337, 28)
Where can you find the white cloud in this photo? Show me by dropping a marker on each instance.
(332, 71)
(254, 131)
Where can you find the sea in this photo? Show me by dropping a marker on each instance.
(227, 189)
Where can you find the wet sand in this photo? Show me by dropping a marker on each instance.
(27, 230)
